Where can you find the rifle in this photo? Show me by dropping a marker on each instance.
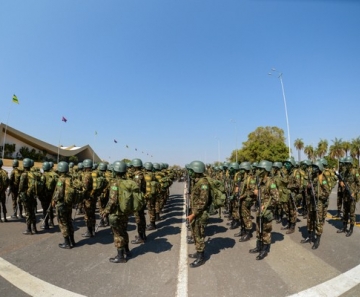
(259, 203)
(347, 188)
(47, 212)
(293, 200)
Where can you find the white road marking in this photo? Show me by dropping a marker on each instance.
(30, 284)
(182, 289)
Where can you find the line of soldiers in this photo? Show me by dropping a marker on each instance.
(279, 191)
(83, 187)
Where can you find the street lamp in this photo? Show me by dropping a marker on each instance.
(233, 121)
(286, 114)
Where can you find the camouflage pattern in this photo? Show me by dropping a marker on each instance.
(14, 189)
(140, 220)
(247, 198)
(27, 196)
(3, 186)
(294, 185)
(199, 204)
(152, 190)
(352, 179)
(89, 202)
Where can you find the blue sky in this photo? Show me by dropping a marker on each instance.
(179, 80)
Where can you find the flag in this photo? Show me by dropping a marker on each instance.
(115, 141)
(64, 119)
(127, 146)
(136, 149)
(95, 132)
(15, 99)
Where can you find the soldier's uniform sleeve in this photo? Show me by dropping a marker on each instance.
(87, 182)
(111, 206)
(200, 197)
(324, 186)
(274, 193)
(23, 182)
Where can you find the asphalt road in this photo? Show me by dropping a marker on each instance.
(160, 266)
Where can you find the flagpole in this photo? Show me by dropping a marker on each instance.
(6, 124)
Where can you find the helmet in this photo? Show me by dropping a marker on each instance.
(51, 164)
(119, 166)
(88, 163)
(254, 164)
(324, 161)
(226, 165)
(80, 166)
(94, 166)
(15, 163)
(348, 159)
(157, 166)
(291, 161)
(234, 166)
(277, 165)
(245, 166)
(306, 162)
(31, 162)
(148, 166)
(71, 164)
(264, 164)
(162, 166)
(197, 166)
(46, 166)
(319, 165)
(341, 160)
(136, 163)
(109, 167)
(166, 165)
(128, 164)
(102, 166)
(63, 167)
(27, 163)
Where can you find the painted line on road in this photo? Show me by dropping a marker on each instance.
(182, 288)
(30, 284)
(334, 287)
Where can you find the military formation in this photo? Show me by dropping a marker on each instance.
(277, 191)
(119, 191)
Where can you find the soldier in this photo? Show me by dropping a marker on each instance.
(63, 199)
(232, 197)
(199, 202)
(118, 220)
(267, 197)
(50, 183)
(4, 183)
(246, 187)
(152, 190)
(320, 192)
(158, 176)
(89, 202)
(277, 174)
(138, 177)
(349, 182)
(14, 189)
(104, 192)
(27, 196)
(340, 191)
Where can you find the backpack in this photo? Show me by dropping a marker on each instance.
(217, 193)
(4, 180)
(50, 182)
(130, 198)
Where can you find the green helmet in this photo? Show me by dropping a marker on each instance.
(102, 166)
(128, 164)
(148, 166)
(264, 164)
(15, 163)
(254, 164)
(27, 163)
(71, 164)
(319, 165)
(80, 165)
(245, 166)
(109, 167)
(63, 167)
(51, 164)
(162, 166)
(46, 166)
(187, 166)
(136, 162)
(348, 159)
(291, 161)
(277, 165)
(226, 165)
(157, 166)
(234, 166)
(119, 166)
(341, 160)
(324, 162)
(31, 162)
(94, 166)
(197, 166)
(88, 163)
(306, 162)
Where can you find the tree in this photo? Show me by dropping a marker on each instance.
(336, 149)
(309, 152)
(355, 144)
(346, 146)
(299, 145)
(265, 143)
(322, 148)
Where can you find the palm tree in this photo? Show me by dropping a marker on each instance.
(309, 151)
(356, 148)
(346, 145)
(336, 149)
(322, 147)
(299, 145)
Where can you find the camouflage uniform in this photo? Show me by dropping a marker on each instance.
(89, 203)
(152, 190)
(50, 182)
(14, 190)
(4, 183)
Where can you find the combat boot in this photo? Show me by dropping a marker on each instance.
(66, 244)
(28, 229)
(316, 243)
(291, 229)
(45, 225)
(51, 224)
(285, 227)
(264, 252)
(88, 233)
(241, 233)
(14, 216)
(138, 239)
(127, 251)
(34, 228)
(257, 249)
(338, 215)
(151, 226)
(246, 237)
(235, 224)
(72, 240)
(348, 234)
(200, 260)
(20, 211)
(343, 230)
(5, 219)
(194, 255)
(190, 240)
(307, 239)
(119, 258)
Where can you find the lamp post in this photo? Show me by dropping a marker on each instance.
(286, 113)
(236, 147)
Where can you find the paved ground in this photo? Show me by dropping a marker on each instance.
(160, 267)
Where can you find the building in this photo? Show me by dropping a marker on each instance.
(15, 140)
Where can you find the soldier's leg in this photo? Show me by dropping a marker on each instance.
(352, 217)
(14, 204)
(266, 240)
(121, 238)
(257, 249)
(151, 211)
(63, 219)
(199, 234)
(246, 216)
(27, 209)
